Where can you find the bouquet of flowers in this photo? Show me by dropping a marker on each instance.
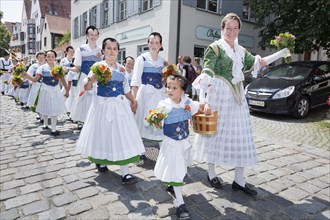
(16, 80)
(284, 40)
(155, 117)
(57, 72)
(102, 72)
(18, 69)
(169, 70)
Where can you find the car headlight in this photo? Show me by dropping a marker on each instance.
(284, 93)
(246, 88)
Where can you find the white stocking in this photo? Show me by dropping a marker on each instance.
(211, 170)
(239, 176)
(178, 195)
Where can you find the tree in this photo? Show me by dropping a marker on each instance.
(4, 34)
(66, 38)
(307, 20)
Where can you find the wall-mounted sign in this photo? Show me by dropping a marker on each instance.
(135, 34)
(212, 34)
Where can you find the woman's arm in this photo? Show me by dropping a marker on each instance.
(65, 87)
(134, 103)
(24, 75)
(90, 80)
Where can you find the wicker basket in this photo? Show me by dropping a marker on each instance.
(205, 124)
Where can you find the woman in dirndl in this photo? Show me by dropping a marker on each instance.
(50, 99)
(221, 89)
(110, 135)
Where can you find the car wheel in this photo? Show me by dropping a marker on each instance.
(302, 107)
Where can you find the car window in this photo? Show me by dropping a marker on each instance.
(323, 71)
(289, 72)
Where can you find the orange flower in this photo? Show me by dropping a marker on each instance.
(102, 67)
(187, 108)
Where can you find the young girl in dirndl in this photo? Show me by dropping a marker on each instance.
(175, 156)
(110, 134)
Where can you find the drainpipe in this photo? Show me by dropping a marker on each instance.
(178, 31)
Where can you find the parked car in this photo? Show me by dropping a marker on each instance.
(292, 88)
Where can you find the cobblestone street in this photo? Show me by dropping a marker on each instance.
(42, 177)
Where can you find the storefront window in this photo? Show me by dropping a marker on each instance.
(199, 51)
(142, 49)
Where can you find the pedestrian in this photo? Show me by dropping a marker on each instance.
(50, 101)
(189, 73)
(129, 64)
(110, 134)
(175, 151)
(180, 63)
(85, 56)
(71, 77)
(35, 86)
(147, 86)
(232, 145)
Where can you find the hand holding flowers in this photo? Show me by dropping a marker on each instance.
(284, 40)
(18, 69)
(155, 117)
(102, 72)
(57, 72)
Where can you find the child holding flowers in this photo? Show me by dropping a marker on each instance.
(50, 101)
(110, 134)
(32, 71)
(147, 85)
(24, 86)
(174, 155)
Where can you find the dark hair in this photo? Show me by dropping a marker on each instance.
(160, 38)
(231, 16)
(93, 28)
(186, 59)
(111, 40)
(128, 57)
(52, 51)
(68, 48)
(177, 77)
(40, 54)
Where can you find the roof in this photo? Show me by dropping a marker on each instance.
(27, 4)
(10, 26)
(60, 8)
(58, 25)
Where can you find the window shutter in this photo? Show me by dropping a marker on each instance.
(111, 14)
(235, 6)
(132, 7)
(102, 25)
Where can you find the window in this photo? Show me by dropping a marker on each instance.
(146, 5)
(93, 16)
(75, 26)
(84, 23)
(31, 30)
(121, 56)
(31, 45)
(105, 13)
(248, 14)
(199, 51)
(142, 49)
(122, 9)
(208, 5)
(45, 26)
(45, 41)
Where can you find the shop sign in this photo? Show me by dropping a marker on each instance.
(212, 34)
(135, 34)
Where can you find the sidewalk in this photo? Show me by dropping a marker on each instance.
(42, 177)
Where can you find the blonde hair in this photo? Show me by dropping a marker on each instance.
(231, 16)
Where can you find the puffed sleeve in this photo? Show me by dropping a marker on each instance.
(77, 57)
(137, 71)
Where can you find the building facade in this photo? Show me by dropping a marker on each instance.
(187, 26)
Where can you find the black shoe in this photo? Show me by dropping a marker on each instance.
(182, 212)
(55, 133)
(101, 169)
(80, 126)
(128, 179)
(41, 121)
(170, 190)
(3, 93)
(143, 157)
(247, 189)
(45, 127)
(215, 182)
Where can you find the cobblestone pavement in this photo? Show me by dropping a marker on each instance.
(42, 177)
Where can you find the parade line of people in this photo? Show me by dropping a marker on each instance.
(118, 107)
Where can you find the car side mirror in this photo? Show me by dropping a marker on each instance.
(318, 78)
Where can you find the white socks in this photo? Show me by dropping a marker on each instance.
(53, 121)
(178, 195)
(239, 176)
(124, 170)
(45, 121)
(211, 170)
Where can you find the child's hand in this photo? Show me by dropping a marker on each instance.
(201, 108)
(207, 109)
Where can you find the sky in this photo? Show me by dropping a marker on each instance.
(12, 10)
